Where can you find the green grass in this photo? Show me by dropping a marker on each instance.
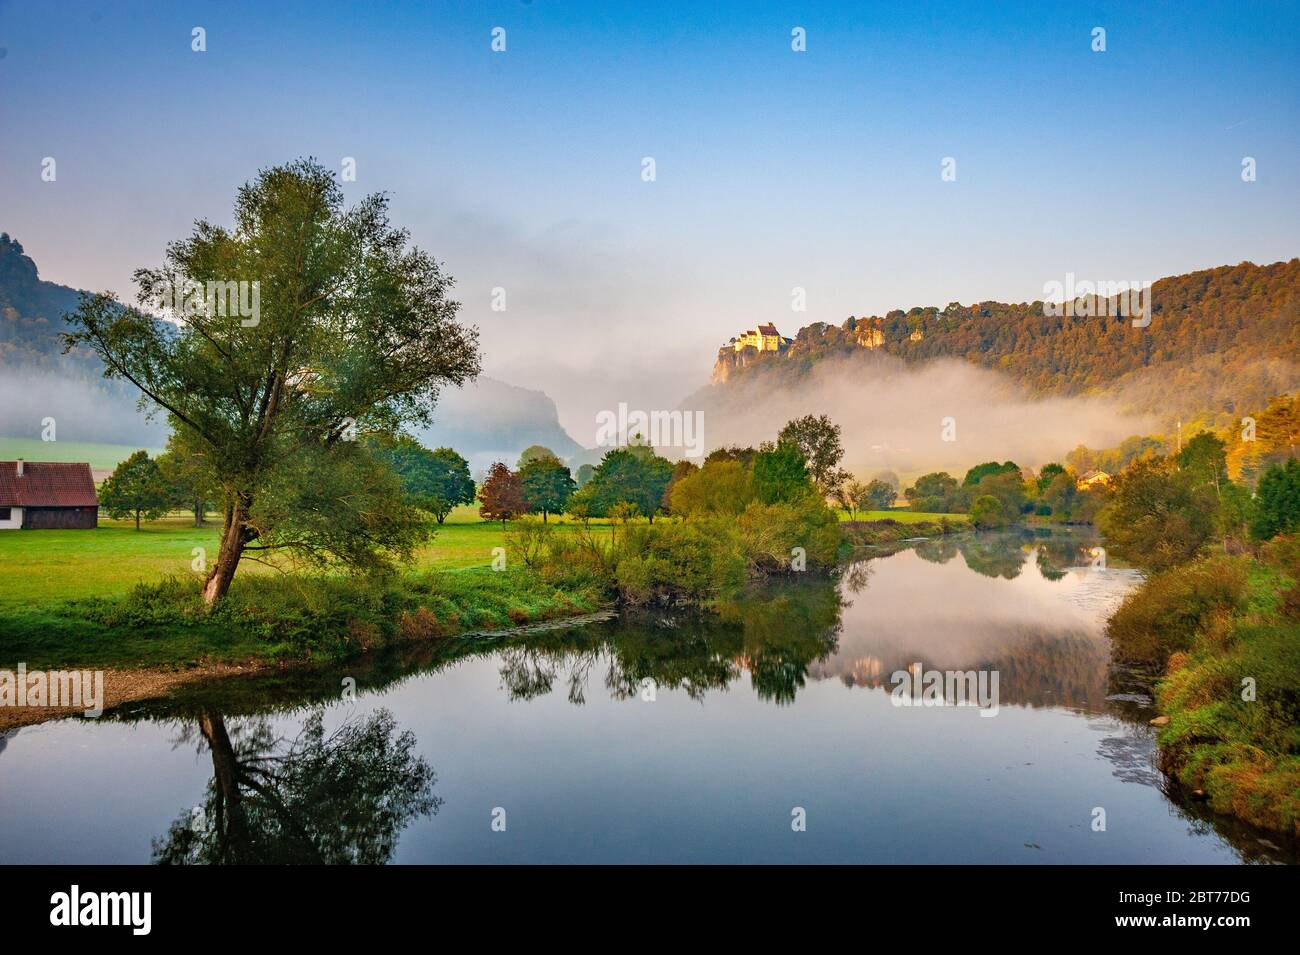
(43, 567)
(101, 457)
(904, 517)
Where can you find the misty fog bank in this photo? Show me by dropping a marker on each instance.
(82, 410)
(893, 414)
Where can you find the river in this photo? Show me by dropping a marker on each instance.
(768, 733)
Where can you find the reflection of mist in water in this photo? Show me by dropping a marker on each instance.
(1030, 611)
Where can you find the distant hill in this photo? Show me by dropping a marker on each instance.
(489, 420)
(1220, 343)
(486, 421)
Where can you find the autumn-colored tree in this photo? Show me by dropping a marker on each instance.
(501, 496)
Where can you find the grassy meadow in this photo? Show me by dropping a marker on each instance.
(42, 567)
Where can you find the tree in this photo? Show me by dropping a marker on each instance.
(850, 495)
(1204, 458)
(733, 453)
(347, 331)
(188, 478)
(880, 496)
(818, 440)
(1048, 474)
(547, 483)
(1158, 517)
(780, 473)
(936, 493)
(533, 452)
(681, 470)
(1277, 501)
(584, 474)
(986, 511)
(981, 471)
(631, 475)
(719, 489)
(136, 487)
(502, 495)
(1008, 488)
(434, 481)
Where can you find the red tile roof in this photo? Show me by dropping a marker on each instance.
(46, 484)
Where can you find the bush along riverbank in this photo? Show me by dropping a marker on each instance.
(1225, 632)
(888, 533)
(282, 618)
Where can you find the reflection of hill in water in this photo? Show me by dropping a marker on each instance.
(1034, 610)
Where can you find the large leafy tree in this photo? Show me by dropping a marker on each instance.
(354, 334)
(818, 439)
(435, 481)
(136, 488)
(780, 473)
(548, 485)
(631, 475)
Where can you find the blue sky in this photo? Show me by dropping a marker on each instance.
(775, 169)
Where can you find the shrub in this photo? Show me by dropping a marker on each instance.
(1165, 614)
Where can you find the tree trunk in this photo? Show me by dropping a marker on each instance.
(198, 513)
(234, 536)
(137, 520)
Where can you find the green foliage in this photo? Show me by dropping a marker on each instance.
(769, 533)
(675, 561)
(547, 485)
(189, 480)
(780, 474)
(879, 496)
(136, 488)
(435, 481)
(1277, 501)
(1048, 474)
(937, 493)
(721, 488)
(632, 475)
(535, 452)
(1158, 517)
(1204, 459)
(818, 440)
(981, 471)
(1167, 613)
(986, 512)
(1230, 642)
(354, 334)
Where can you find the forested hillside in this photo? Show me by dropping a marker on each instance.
(1220, 343)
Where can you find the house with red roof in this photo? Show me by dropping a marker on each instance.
(47, 494)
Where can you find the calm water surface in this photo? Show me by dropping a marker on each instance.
(547, 748)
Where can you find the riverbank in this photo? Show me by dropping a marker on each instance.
(277, 619)
(1225, 633)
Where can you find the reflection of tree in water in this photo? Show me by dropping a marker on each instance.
(773, 635)
(937, 551)
(341, 798)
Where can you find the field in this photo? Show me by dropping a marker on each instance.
(40, 567)
(904, 517)
(101, 457)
